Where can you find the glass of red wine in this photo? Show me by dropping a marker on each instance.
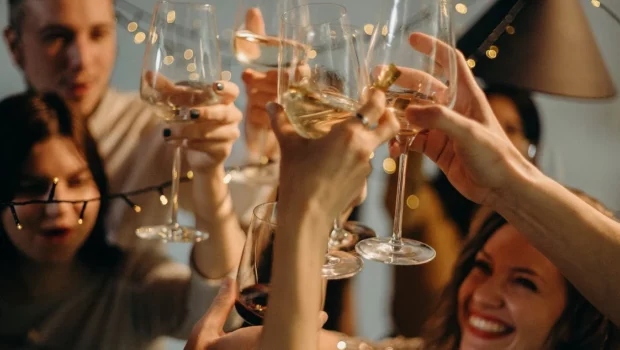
(255, 267)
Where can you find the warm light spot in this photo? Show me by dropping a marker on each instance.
(494, 48)
(191, 67)
(132, 27)
(312, 54)
(413, 202)
(491, 54)
(19, 226)
(596, 3)
(384, 31)
(264, 160)
(389, 165)
(188, 54)
(510, 30)
(163, 200)
(372, 155)
(369, 28)
(471, 63)
(55, 181)
(226, 75)
(461, 8)
(342, 345)
(194, 76)
(168, 60)
(172, 15)
(139, 38)
(137, 208)
(190, 174)
(80, 221)
(227, 178)
(154, 38)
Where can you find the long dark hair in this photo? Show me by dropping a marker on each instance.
(28, 119)
(461, 209)
(580, 327)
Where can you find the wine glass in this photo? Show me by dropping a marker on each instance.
(254, 271)
(423, 78)
(256, 43)
(345, 236)
(181, 63)
(321, 79)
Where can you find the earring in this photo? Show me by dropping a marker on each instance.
(531, 151)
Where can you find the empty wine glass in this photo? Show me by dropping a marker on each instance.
(424, 77)
(256, 44)
(181, 63)
(322, 77)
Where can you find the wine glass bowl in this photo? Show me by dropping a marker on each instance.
(180, 65)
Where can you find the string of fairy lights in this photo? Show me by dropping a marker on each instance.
(125, 196)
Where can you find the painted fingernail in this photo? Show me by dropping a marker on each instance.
(194, 114)
(219, 86)
(167, 132)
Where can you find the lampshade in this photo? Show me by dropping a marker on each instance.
(539, 45)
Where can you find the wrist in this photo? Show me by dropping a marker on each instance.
(523, 179)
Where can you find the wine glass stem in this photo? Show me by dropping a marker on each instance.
(400, 197)
(176, 181)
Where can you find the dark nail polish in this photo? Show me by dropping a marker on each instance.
(219, 86)
(194, 114)
(167, 132)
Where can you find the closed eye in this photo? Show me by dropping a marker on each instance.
(526, 283)
(483, 266)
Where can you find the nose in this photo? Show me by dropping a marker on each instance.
(80, 53)
(489, 294)
(56, 210)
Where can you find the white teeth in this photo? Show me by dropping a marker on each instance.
(486, 325)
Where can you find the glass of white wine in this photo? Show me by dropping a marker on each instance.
(321, 80)
(181, 63)
(256, 44)
(427, 75)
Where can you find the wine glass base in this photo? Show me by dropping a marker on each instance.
(354, 232)
(252, 174)
(385, 250)
(340, 265)
(171, 233)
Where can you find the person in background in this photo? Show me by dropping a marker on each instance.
(69, 48)
(63, 285)
(444, 216)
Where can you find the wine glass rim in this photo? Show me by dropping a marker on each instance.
(181, 2)
(284, 17)
(260, 218)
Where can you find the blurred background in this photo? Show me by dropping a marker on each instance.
(580, 137)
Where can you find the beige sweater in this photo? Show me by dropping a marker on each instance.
(146, 297)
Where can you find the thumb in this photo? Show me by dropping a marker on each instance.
(220, 308)
(254, 21)
(279, 121)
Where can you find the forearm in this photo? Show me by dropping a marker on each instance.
(221, 252)
(295, 292)
(582, 242)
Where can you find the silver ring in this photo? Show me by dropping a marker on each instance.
(363, 119)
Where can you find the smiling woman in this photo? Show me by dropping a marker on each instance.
(504, 294)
